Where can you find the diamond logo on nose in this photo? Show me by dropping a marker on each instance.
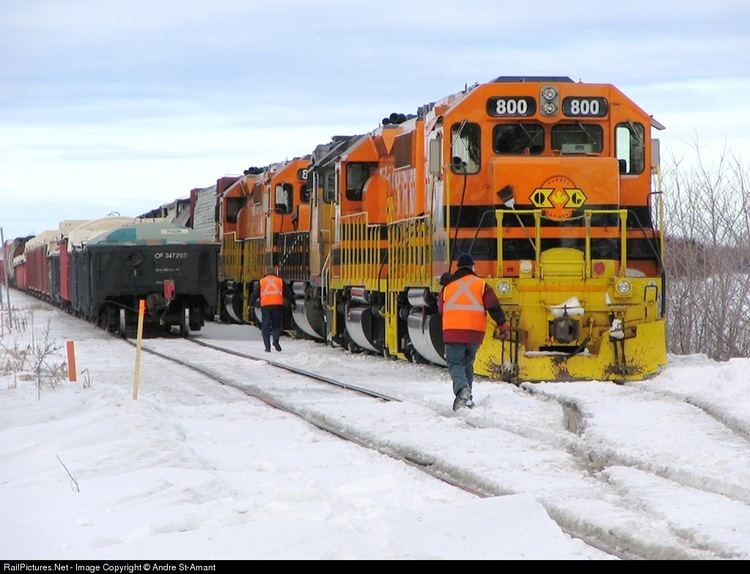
(557, 197)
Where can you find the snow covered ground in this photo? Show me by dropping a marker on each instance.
(196, 470)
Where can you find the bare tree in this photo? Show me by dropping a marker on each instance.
(708, 257)
(37, 360)
(44, 366)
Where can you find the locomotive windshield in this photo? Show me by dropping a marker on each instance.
(518, 139)
(577, 138)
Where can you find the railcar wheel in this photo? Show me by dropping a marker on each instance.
(196, 318)
(185, 322)
(123, 326)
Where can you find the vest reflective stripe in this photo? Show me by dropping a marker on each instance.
(271, 291)
(463, 306)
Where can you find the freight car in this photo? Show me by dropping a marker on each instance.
(13, 259)
(74, 239)
(170, 267)
(39, 253)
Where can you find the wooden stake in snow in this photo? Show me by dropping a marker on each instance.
(72, 377)
(137, 378)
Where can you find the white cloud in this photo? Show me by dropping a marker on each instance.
(149, 98)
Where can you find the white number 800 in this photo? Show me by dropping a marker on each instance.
(511, 107)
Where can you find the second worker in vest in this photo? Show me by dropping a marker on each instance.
(464, 303)
(272, 293)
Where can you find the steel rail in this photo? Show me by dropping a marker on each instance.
(299, 371)
(424, 464)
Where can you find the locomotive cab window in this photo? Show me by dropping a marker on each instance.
(233, 206)
(329, 186)
(357, 175)
(630, 147)
(465, 148)
(305, 191)
(257, 194)
(283, 198)
(577, 138)
(518, 139)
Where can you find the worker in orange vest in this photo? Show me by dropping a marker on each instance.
(272, 292)
(464, 303)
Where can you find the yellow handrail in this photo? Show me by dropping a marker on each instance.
(587, 214)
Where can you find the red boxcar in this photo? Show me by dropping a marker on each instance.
(19, 272)
(37, 251)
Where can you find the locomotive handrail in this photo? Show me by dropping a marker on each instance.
(500, 215)
(587, 214)
(409, 252)
(324, 281)
(623, 213)
(360, 249)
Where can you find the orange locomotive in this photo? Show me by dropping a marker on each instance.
(547, 183)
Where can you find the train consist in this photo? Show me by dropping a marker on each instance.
(100, 269)
(546, 182)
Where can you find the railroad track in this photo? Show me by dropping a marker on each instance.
(413, 459)
(480, 476)
(616, 542)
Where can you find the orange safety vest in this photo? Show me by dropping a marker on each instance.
(271, 291)
(463, 306)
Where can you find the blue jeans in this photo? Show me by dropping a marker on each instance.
(460, 358)
(272, 318)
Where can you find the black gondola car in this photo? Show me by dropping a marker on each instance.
(54, 278)
(170, 267)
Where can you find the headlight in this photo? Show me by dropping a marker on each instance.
(504, 288)
(623, 288)
(548, 108)
(549, 93)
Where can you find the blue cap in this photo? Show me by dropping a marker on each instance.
(465, 260)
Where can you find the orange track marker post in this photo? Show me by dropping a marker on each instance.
(72, 376)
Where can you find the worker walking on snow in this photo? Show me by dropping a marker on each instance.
(464, 304)
(272, 292)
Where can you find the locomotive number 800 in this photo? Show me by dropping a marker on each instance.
(513, 106)
(590, 107)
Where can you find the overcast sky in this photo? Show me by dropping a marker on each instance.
(122, 105)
